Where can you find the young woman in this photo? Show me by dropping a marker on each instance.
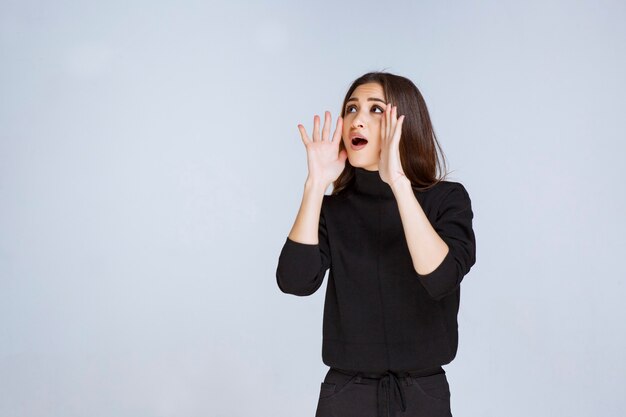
(397, 240)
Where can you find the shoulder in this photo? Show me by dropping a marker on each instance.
(452, 189)
(328, 202)
(332, 200)
(444, 190)
(452, 197)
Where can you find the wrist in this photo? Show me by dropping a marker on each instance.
(315, 185)
(400, 184)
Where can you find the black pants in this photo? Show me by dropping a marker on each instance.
(355, 394)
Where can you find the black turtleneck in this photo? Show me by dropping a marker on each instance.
(369, 183)
(379, 313)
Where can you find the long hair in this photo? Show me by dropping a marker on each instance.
(418, 143)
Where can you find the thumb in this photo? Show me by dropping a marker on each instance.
(343, 155)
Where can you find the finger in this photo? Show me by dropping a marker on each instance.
(303, 135)
(398, 132)
(383, 129)
(316, 128)
(326, 128)
(338, 131)
(394, 118)
(388, 121)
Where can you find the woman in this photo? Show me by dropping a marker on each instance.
(397, 240)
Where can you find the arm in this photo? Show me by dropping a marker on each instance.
(305, 256)
(442, 255)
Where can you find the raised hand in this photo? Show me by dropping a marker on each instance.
(389, 165)
(324, 160)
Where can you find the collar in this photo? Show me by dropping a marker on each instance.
(369, 183)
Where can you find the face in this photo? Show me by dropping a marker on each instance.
(363, 117)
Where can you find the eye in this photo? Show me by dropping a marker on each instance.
(373, 107)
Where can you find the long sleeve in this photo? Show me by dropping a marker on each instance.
(301, 266)
(454, 226)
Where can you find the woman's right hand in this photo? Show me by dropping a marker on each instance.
(325, 161)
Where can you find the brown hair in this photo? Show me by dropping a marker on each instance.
(418, 154)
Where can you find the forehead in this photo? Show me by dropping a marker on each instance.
(369, 90)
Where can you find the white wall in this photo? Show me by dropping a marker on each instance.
(151, 168)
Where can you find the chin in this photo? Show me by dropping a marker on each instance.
(360, 162)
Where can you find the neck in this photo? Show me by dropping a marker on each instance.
(369, 183)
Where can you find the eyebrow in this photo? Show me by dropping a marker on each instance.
(369, 99)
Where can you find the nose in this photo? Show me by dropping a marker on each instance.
(357, 122)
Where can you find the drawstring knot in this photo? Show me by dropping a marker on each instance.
(389, 386)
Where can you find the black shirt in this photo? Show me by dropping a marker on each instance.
(379, 313)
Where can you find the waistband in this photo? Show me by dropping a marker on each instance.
(400, 374)
(389, 385)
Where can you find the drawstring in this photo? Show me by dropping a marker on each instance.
(389, 385)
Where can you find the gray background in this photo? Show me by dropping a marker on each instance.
(151, 169)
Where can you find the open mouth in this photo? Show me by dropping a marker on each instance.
(359, 141)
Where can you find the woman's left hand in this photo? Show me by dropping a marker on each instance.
(389, 165)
